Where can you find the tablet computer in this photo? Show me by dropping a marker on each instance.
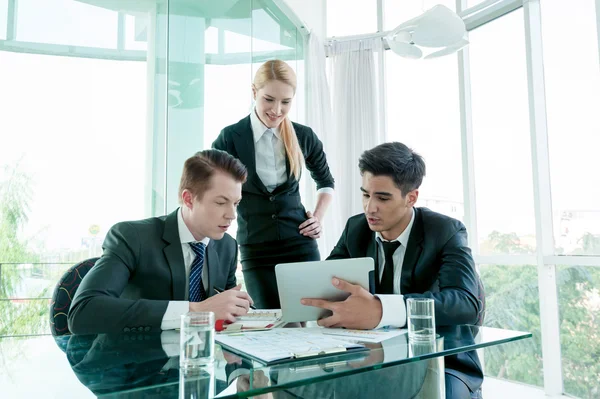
(313, 280)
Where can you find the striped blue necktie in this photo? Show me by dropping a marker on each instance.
(197, 292)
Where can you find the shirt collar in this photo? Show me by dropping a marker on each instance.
(403, 237)
(258, 128)
(185, 235)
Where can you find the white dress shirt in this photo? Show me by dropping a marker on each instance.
(172, 317)
(393, 306)
(270, 155)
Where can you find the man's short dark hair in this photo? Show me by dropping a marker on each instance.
(199, 168)
(403, 165)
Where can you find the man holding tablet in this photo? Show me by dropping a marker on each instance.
(418, 253)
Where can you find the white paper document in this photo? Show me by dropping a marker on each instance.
(285, 343)
(371, 336)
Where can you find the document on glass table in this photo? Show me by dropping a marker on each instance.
(285, 344)
(371, 336)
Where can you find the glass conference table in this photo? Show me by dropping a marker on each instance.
(136, 365)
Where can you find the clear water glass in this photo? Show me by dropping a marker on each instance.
(197, 341)
(197, 382)
(421, 319)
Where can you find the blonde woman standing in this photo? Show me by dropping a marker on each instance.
(273, 225)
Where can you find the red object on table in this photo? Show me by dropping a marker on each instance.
(221, 325)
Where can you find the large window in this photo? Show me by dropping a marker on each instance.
(74, 163)
(416, 90)
(512, 302)
(579, 309)
(75, 134)
(502, 151)
(572, 102)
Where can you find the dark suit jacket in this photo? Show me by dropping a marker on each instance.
(437, 263)
(265, 216)
(140, 271)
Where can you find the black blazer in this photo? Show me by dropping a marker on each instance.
(437, 263)
(140, 271)
(265, 216)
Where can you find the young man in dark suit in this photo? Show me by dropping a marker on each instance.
(154, 270)
(418, 253)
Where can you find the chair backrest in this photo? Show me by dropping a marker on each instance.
(64, 293)
(481, 298)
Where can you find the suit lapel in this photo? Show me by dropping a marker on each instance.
(212, 265)
(413, 252)
(244, 146)
(372, 250)
(174, 256)
(291, 179)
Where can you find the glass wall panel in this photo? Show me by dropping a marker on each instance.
(214, 52)
(136, 31)
(396, 12)
(416, 90)
(3, 18)
(501, 134)
(579, 306)
(351, 17)
(212, 62)
(573, 101)
(67, 22)
(512, 302)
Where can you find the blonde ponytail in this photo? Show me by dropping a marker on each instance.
(292, 147)
(279, 70)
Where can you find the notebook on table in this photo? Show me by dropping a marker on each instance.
(254, 320)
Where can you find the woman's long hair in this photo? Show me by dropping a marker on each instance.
(279, 70)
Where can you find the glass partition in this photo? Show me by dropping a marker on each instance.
(102, 102)
(3, 18)
(214, 52)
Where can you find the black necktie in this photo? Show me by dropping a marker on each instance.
(387, 279)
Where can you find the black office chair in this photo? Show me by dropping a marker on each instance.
(481, 298)
(64, 293)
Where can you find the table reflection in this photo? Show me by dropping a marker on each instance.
(140, 365)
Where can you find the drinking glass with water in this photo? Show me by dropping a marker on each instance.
(421, 319)
(197, 382)
(197, 341)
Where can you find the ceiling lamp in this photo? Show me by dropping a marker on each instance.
(435, 33)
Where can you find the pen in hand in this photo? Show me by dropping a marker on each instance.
(219, 290)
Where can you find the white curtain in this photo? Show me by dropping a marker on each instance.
(319, 118)
(355, 116)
